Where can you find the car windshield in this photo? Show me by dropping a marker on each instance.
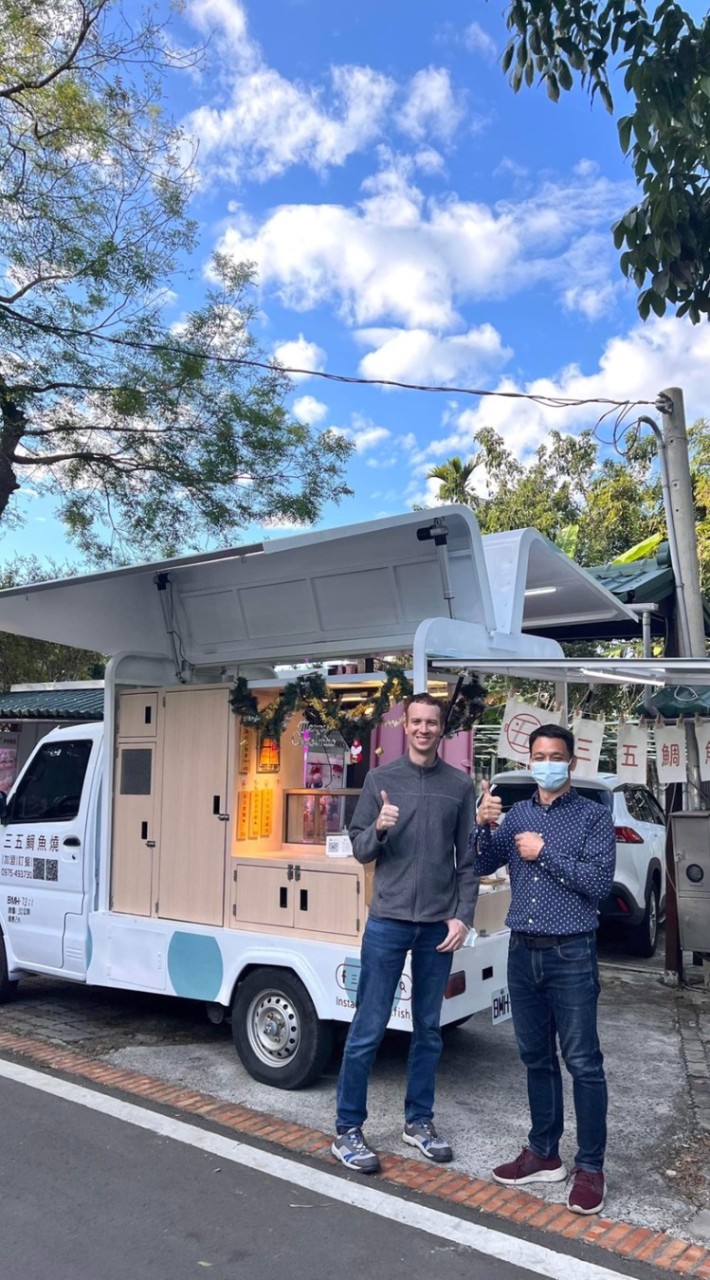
(509, 792)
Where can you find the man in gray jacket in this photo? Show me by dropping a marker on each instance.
(412, 820)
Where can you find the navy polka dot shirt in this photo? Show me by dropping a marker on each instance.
(560, 892)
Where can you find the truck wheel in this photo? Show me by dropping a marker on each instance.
(8, 989)
(277, 1033)
(645, 935)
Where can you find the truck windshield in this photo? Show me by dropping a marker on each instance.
(50, 790)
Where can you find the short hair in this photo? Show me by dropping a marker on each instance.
(428, 701)
(553, 731)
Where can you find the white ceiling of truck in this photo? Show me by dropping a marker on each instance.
(357, 589)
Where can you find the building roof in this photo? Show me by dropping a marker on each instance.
(53, 704)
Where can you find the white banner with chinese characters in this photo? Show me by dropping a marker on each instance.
(631, 753)
(671, 761)
(588, 738)
(520, 719)
(702, 735)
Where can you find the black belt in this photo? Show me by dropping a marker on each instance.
(542, 941)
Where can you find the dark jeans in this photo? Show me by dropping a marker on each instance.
(384, 950)
(554, 993)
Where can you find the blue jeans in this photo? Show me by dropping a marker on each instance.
(384, 950)
(554, 994)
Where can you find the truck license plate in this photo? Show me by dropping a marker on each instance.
(500, 1006)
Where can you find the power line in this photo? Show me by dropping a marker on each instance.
(623, 407)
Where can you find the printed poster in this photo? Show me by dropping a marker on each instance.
(632, 753)
(671, 754)
(520, 719)
(588, 738)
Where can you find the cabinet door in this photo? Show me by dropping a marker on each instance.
(194, 828)
(137, 715)
(327, 901)
(133, 829)
(264, 895)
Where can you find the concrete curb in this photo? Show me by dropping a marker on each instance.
(623, 1239)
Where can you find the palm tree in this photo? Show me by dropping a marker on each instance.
(455, 476)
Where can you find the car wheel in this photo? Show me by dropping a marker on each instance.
(645, 934)
(277, 1033)
(8, 989)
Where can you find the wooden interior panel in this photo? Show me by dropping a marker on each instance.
(138, 715)
(134, 828)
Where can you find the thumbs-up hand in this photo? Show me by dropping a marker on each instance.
(388, 815)
(490, 807)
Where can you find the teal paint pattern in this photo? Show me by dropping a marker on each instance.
(195, 966)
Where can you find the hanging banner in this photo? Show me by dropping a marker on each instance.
(588, 738)
(632, 753)
(702, 735)
(671, 760)
(520, 719)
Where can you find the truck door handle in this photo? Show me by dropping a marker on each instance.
(150, 844)
(71, 842)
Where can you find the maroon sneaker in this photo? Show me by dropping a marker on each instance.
(530, 1168)
(586, 1195)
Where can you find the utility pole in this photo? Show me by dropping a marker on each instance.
(680, 515)
(680, 521)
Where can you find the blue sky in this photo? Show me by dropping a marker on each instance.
(412, 219)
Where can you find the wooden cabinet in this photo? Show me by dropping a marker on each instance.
(134, 828)
(312, 896)
(138, 715)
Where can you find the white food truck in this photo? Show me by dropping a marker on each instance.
(159, 852)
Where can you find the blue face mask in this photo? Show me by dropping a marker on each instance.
(551, 775)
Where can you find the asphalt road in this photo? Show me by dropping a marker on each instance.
(88, 1195)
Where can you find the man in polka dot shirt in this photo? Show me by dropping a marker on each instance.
(561, 850)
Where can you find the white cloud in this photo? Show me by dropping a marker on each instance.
(477, 40)
(260, 123)
(415, 355)
(399, 258)
(363, 433)
(636, 366)
(431, 106)
(300, 354)
(309, 410)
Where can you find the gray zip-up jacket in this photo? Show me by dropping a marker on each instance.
(424, 870)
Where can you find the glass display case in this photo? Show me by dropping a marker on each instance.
(311, 815)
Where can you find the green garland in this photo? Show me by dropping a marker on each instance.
(323, 706)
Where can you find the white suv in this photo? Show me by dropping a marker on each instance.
(638, 895)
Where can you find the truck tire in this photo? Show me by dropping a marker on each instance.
(277, 1033)
(645, 935)
(8, 989)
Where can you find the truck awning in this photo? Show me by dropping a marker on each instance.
(358, 589)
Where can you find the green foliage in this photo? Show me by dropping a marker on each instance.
(24, 661)
(150, 434)
(321, 705)
(455, 476)
(663, 56)
(594, 510)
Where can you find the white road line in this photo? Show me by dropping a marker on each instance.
(521, 1253)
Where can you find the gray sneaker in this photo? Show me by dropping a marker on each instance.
(351, 1150)
(422, 1134)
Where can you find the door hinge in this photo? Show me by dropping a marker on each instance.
(234, 910)
(234, 874)
(358, 888)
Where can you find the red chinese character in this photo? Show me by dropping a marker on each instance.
(583, 749)
(675, 753)
(629, 761)
(665, 755)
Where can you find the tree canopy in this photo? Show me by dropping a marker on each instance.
(25, 661)
(595, 508)
(663, 58)
(151, 434)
